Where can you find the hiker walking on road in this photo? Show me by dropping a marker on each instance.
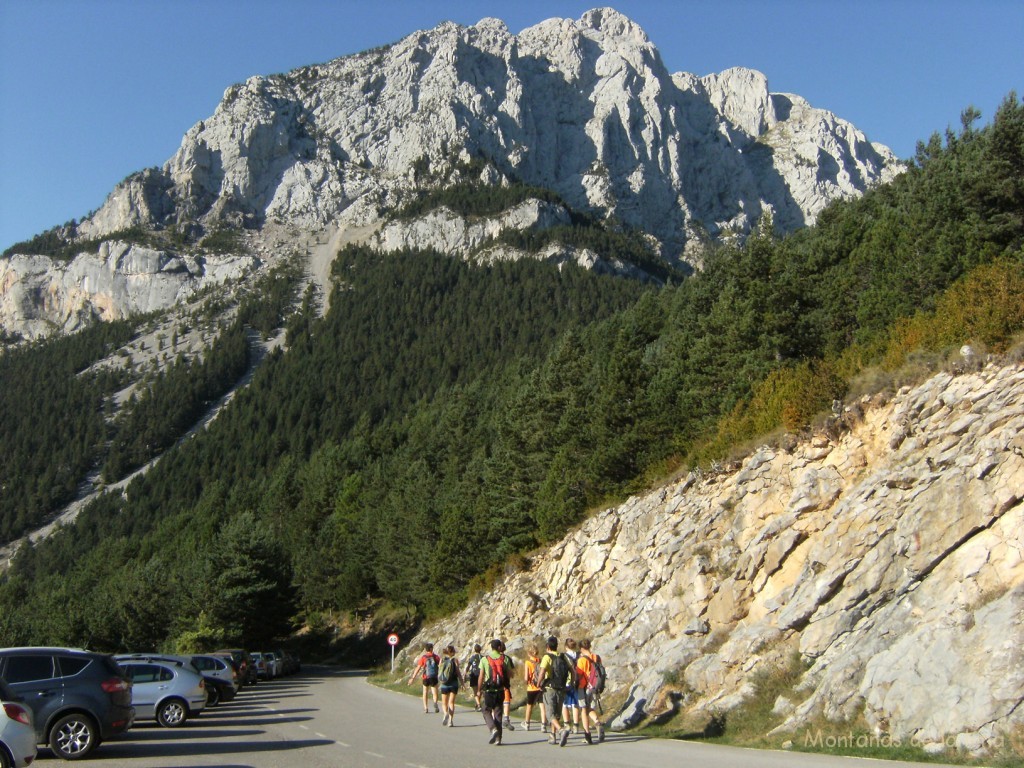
(449, 677)
(534, 693)
(493, 680)
(598, 679)
(427, 666)
(586, 675)
(473, 674)
(510, 667)
(553, 673)
(570, 711)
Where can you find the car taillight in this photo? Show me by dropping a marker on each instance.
(114, 685)
(202, 683)
(17, 712)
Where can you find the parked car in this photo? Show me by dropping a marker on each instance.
(17, 731)
(164, 688)
(273, 665)
(259, 664)
(218, 667)
(78, 698)
(246, 669)
(217, 691)
(289, 661)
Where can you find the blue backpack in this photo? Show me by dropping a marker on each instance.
(430, 666)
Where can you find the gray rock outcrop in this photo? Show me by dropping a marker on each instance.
(891, 559)
(39, 294)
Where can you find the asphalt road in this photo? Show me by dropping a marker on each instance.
(329, 718)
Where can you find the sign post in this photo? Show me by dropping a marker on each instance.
(392, 641)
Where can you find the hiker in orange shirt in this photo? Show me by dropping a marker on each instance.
(534, 693)
(585, 675)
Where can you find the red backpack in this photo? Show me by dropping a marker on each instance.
(495, 677)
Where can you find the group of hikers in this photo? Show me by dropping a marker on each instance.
(567, 685)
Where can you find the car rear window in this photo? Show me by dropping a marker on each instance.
(26, 669)
(72, 665)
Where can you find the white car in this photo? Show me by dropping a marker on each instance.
(17, 731)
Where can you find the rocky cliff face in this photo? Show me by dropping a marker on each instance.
(584, 108)
(890, 557)
(39, 295)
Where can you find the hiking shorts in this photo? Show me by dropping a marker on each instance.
(450, 688)
(585, 698)
(553, 701)
(429, 682)
(532, 697)
(570, 698)
(508, 694)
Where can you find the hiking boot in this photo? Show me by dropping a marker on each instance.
(575, 729)
(552, 739)
(508, 724)
(451, 721)
(436, 708)
(563, 737)
(544, 726)
(498, 742)
(494, 735)
(526, 725)
(600, 734)
(587, 738)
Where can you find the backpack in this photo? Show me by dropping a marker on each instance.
(430, 666)
(495, 677)
(474, 668)
(538, 675)
(598, 675)
(563, 672)
(448, 673)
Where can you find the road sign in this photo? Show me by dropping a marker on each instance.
(392, 641)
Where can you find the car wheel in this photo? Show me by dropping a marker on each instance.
(5, 759)
(212, 696)
(73, 737)
(172, 713)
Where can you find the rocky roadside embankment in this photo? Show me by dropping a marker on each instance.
(890, 556)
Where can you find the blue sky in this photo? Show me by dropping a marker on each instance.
(92, 90)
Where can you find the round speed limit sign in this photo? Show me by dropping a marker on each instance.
(392, 641)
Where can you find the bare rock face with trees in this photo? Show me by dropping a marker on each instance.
(886, 564)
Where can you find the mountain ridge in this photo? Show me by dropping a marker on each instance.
(562, 104)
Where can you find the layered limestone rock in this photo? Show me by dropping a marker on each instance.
(447, 232)
(890, 557)
(39, 294)
(585, 108)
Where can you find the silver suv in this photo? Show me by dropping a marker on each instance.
(164, 689)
